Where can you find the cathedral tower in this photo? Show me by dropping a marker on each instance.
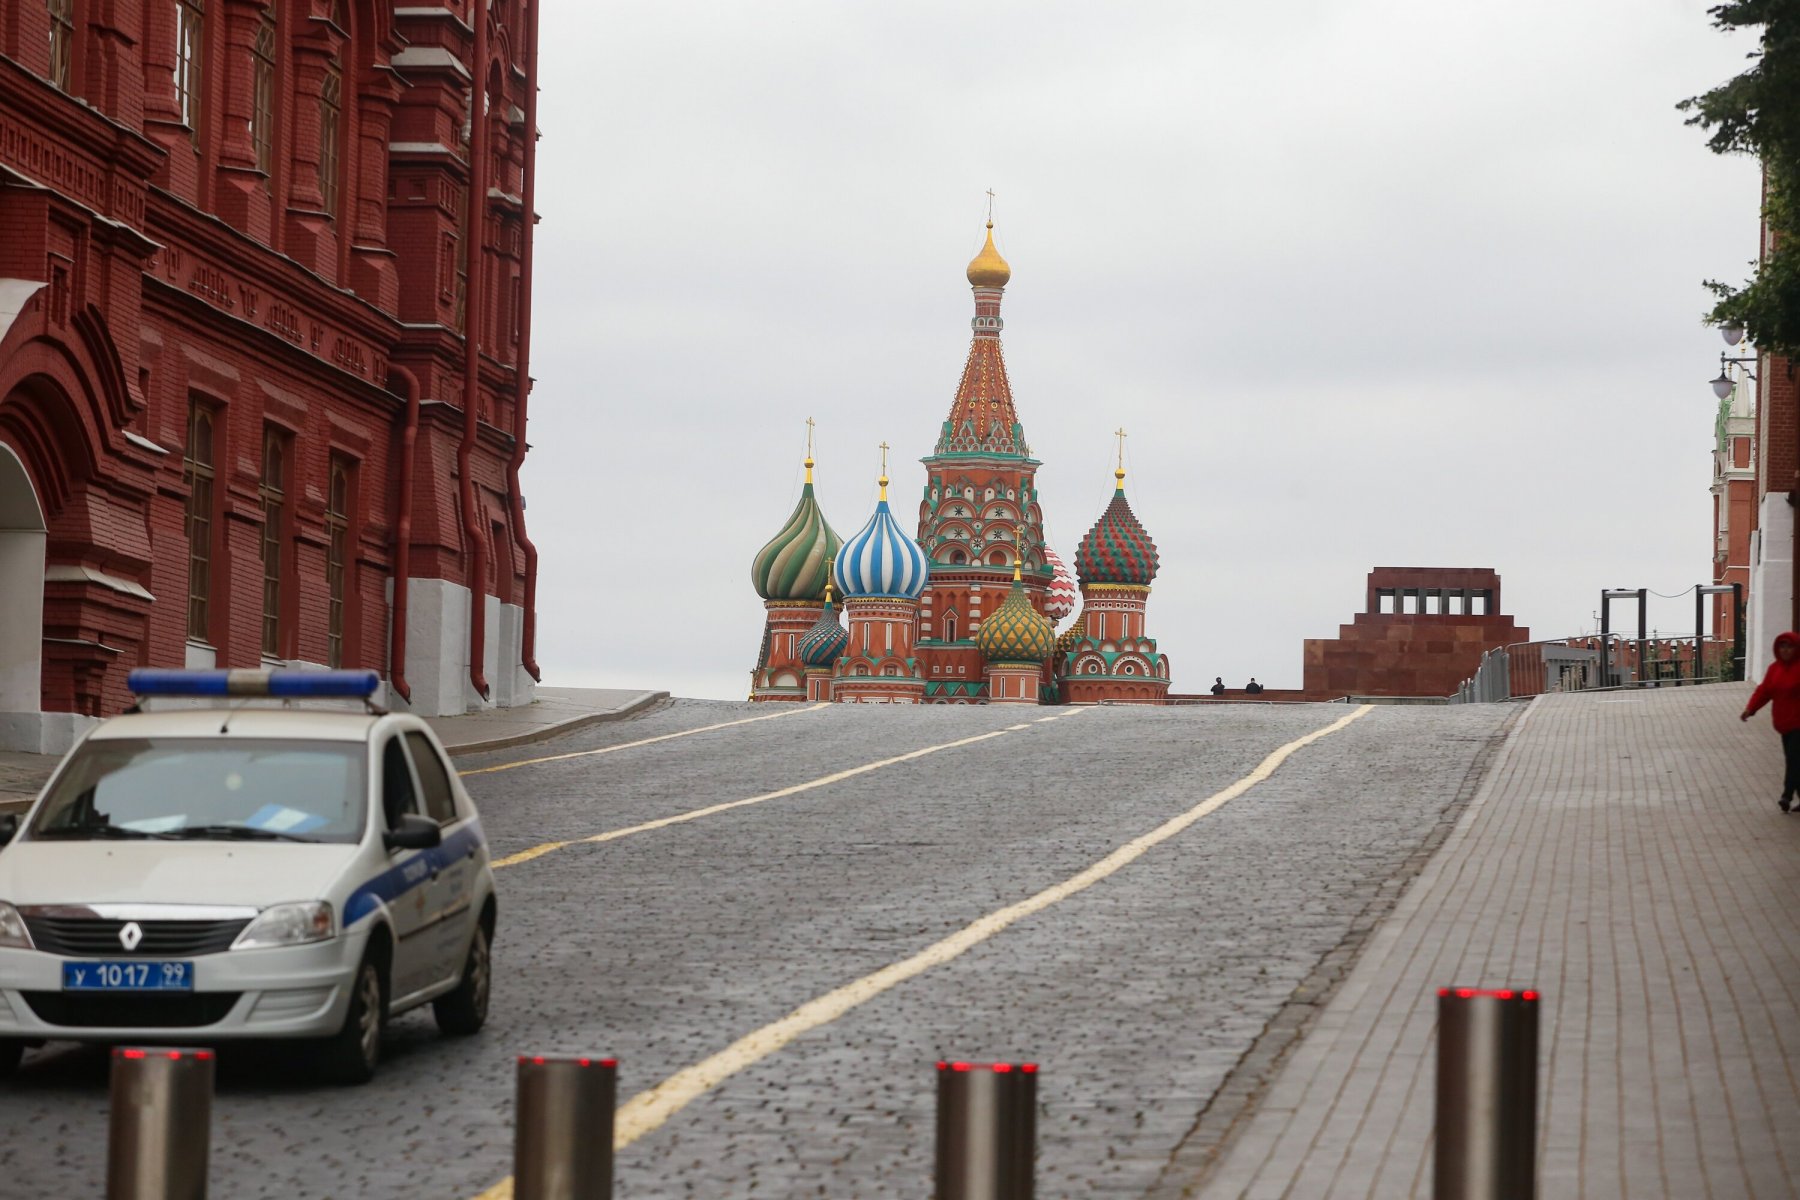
(1106, 655)
(791, 574)
(882, 572)
(980, 491)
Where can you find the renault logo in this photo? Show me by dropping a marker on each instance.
(130, 935)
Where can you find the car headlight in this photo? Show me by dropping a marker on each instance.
(12, 928)
(288, 925)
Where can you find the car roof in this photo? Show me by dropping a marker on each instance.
(301, 724)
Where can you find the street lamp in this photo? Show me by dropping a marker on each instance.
(1722, 386)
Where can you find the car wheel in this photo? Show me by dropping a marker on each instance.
(11, 1051)
(463, 1011)
(352, 1056)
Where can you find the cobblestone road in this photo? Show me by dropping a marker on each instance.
(1138, 996)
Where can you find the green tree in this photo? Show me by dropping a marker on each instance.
(1758, 112)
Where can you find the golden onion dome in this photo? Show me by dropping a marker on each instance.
(988, 269)
(1016, 632)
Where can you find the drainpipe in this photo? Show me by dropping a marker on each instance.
(409, 436)
(528, 238)
(474, 224)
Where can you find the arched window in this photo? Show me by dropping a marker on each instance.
(331, 119)
(273, 492)
(998, 558)
(337, 549)
(190, 56)
(197, 466)
(949, 627)
(957, 557)
(62, 41)
(262, 98)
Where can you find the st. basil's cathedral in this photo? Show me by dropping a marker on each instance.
(966, 612)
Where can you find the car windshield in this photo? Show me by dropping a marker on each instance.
(192, 788)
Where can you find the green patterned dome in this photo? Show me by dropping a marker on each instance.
(1016, 632)
(796, 564)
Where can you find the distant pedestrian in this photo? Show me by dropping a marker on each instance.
(1781, 684)
(1218, 687)
(1253, 688)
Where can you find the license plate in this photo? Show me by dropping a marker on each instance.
(127, 976)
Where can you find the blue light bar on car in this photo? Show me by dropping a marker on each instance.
(287, 685)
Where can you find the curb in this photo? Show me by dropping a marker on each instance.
(631, 708)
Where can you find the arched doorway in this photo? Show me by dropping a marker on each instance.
(21, 588)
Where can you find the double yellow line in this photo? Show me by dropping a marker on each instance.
(649, 1110)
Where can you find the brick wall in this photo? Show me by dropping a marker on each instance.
(177, 271)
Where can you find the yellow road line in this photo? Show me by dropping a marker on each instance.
(648, 1110)
(530, 762)
(613, 835)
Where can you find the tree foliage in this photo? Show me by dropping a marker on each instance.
(1758, 112)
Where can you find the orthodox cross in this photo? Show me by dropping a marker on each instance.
(809, 436)
(1120, 434)
(990, 206)
(884, 450)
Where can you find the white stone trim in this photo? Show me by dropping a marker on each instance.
(138, 439)
(429, 56)
(74, 573)
(1771, 598)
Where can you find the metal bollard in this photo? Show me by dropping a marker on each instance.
(1486, 1145)
(160, 1133)
(986, 1131)
(563, 1143)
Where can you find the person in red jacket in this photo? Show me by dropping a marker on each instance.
(1781, 683)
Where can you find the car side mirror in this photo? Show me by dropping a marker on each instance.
(415, 833)
(9, 827)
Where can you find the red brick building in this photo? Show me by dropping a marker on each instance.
(241, 420)
(1422, 633)
(1734, 502)
(1774, 601)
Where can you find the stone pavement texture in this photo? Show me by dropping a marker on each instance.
(1626, 856)
(1140, 996)
(556, 711)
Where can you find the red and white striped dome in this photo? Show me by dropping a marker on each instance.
(1060, 601)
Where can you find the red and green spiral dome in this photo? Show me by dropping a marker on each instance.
(1117, 549)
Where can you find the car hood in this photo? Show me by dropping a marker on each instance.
(209, 872)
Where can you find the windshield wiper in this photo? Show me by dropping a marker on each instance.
(99, 831)
(247, 832)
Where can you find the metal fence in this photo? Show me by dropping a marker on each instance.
(1574, 664)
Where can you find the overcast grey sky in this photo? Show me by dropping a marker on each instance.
(1370, 282)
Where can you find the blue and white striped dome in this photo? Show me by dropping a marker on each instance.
(881, 560)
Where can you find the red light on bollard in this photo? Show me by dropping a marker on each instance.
(986, 1131)
(563, 1140)
(1485, 1146)
(159, 1137)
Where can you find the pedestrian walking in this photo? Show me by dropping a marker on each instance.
(1781, 684)
(1218, 687)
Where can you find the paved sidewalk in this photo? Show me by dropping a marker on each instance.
(1625, 856)
(556, 711)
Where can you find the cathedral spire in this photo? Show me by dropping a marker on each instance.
(982, 419)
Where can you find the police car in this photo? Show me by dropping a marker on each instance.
(246, 867)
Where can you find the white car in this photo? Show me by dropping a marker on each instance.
(242, 871)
